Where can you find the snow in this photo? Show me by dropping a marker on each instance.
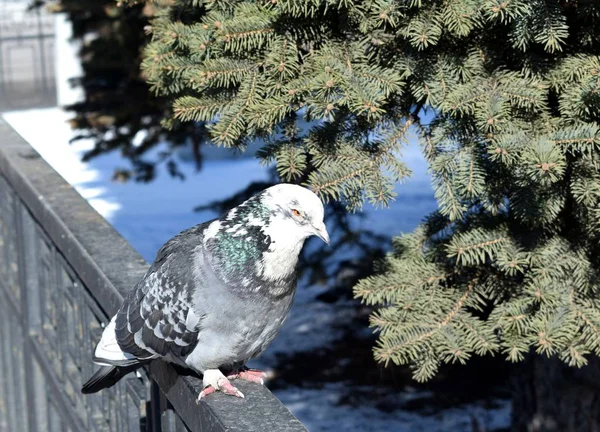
(68, 64)
(149, 214)
(321, 410)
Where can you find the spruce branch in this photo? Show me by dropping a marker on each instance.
(476, 246)
(393, 352)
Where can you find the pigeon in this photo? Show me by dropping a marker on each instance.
(216, 295)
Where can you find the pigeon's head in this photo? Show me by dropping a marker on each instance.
(296, 211)
(263, 236)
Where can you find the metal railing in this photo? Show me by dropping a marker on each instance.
(63, 271)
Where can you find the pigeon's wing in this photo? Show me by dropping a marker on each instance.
(157, 318)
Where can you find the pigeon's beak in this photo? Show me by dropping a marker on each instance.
(321, 232)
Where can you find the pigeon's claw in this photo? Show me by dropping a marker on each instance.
(207, 390)
(214, 381)
(251, 375)
(226, 387)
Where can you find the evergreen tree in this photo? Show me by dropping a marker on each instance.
(510, 262)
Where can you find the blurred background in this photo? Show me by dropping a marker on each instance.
(70, 84)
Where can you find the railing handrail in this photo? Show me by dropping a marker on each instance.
(108, 266)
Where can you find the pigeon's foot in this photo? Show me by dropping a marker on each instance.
(251, 375)
(214, 381)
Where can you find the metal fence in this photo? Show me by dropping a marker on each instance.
(27, 76)
(63, 271)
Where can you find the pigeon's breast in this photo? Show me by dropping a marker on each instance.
(260, 326)
(235, 328)
(238, 330)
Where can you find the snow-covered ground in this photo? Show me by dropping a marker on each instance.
(320, 410)
(149, 214)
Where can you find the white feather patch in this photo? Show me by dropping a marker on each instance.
(108, 348)
(191, 320)
(287, 239)
(212, 230)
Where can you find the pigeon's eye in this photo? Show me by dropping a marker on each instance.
(296, 212)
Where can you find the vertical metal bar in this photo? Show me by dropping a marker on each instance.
(28, 281)
(14, 349)
(9, 388)
(22, 263)
(5, 411)
(153, 417)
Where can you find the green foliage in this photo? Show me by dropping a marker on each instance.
(510, 261)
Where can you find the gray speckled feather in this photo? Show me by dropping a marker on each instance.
(154, 318)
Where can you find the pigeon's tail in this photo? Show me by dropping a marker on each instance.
(107, 376)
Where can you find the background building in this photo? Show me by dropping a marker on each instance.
(27, 56)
